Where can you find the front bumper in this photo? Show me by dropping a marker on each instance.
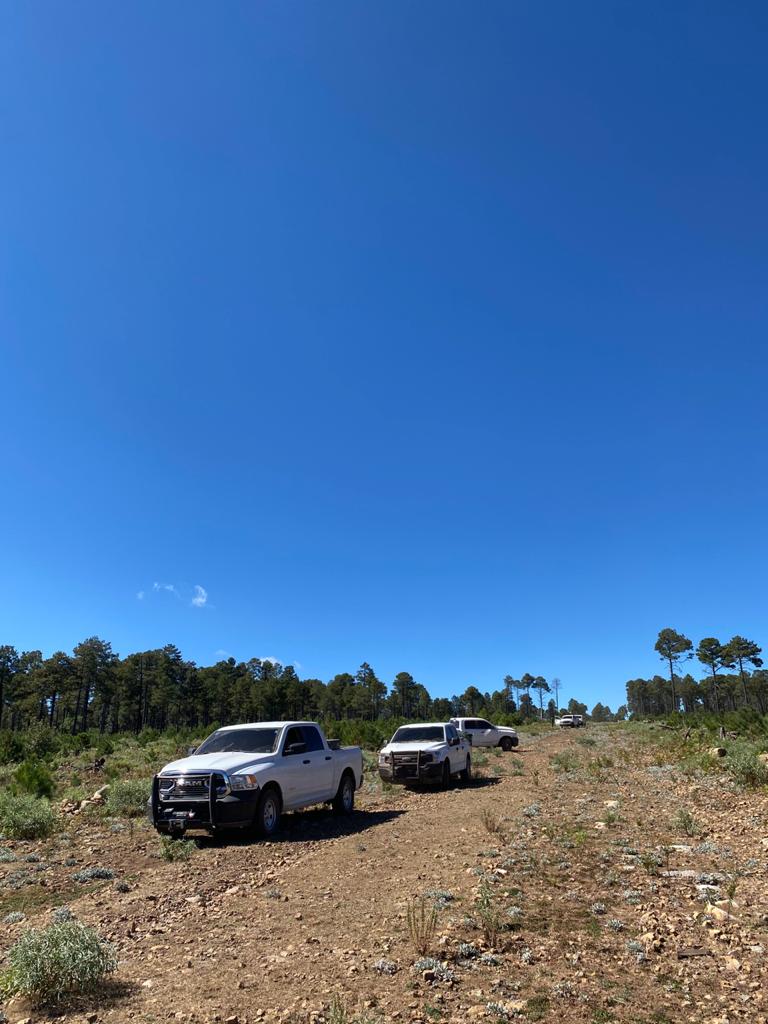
(410, 769)
(231, 810)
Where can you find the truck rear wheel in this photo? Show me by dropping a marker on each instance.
(268, 812)
(344, 801)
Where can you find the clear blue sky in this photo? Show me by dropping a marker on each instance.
(429, 334)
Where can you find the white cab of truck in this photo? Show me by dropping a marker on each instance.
(245, 776)
(483, 734)
(432, 752)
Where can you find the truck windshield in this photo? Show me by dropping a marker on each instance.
(419, 733)
(250, 741)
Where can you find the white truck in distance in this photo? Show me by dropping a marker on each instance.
(245, 776)
(570, 721)
(429, 752)
(483, 734)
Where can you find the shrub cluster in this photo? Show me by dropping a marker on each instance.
(128, 798)
(65, 958)
(25, 817)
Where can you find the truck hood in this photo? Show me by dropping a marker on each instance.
(402, 748)
(232, 761)
(507, 729)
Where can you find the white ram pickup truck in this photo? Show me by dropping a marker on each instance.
(245, 776)
(419, 754)
(483, 734)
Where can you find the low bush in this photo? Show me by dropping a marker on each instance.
(65, 958)
(128, 798)
(744, 767)
(175, 849)
(422, 923)
(11, 747)
(25, 817)
(34, 778)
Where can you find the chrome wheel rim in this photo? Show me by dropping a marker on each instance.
(269, 815)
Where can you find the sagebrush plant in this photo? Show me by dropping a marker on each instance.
(127, 798)
(422, 924)
(175, 849)
(25, 817)
(491, 822)
(489, 914)
(48, 964)
(687, 824)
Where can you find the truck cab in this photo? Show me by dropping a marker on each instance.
(483, 734)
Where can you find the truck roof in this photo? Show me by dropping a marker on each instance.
(266, 725)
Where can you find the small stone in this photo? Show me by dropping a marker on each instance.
(717, 751)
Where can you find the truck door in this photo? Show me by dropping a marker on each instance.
(321, 765)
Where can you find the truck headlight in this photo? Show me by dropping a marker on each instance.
(384, 758)
(240, 782)
(426, 758)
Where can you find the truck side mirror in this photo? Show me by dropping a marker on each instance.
(295, 748)
(190, 751)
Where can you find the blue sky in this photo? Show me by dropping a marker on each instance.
(432, 335)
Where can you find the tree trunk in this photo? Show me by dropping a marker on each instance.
(672, 681)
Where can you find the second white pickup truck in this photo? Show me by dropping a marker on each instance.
(433, 752)
(245, 776)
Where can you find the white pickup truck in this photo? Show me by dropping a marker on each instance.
(570, 721)
(245, 776)
(432, 752)
(483, 734)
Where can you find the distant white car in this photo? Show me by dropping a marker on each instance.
(570, 721)
(483, 734)
(424, 753)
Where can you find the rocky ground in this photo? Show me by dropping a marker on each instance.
(582, 878)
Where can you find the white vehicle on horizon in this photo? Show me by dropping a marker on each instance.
(430, 752)
(245, 776)
(483, 734)
(570, 721)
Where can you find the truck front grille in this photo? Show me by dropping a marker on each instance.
(189, 787)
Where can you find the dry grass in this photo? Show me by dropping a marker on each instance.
(422, 924)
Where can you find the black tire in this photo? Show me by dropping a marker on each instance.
(445, 781)
(268, 812)
(506, 744)
(466, 774)
(344, 801)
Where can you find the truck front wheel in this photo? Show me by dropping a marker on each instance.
(506, 744)
(466, 774)
(446, 779)
(268, 812)
(344, 801)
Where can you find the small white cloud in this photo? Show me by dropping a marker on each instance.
(273, 661)
(140, 596)
(164, 586)
(221, 654)
(201, 597)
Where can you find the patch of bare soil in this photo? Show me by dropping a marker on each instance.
(576, 880)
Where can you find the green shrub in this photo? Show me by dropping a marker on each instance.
(745, 769)
(175, 849)
(66, 958)
(40, 741)
(128, 798)
(25, 817)
(34, 778)
(11, 747)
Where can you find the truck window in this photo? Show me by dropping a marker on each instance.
(482, 724)
(419, 734)
(292, 736)
(251, 741)
(312, 738)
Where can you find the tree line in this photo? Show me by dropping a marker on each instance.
(94, 688)
(734, 678)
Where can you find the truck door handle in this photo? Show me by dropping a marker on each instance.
(327, 757)
(307, 761)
